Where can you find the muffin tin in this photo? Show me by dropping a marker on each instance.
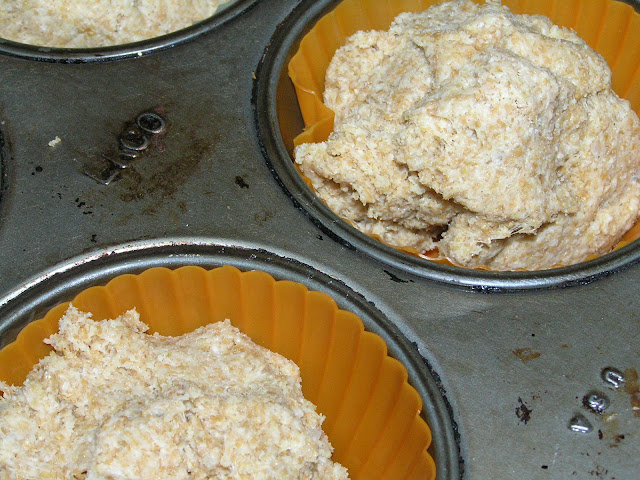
(507, 364)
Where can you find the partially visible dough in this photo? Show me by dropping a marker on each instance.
(114, 403)
(97, 23)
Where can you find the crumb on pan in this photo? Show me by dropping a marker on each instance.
(495, 138)
(112, 402)
(99, 23)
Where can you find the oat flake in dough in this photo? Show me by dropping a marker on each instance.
(97, 23)
(492, 136)
(115, 403)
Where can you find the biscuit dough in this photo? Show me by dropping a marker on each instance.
(115, 403)
(495, 138)
(97, 23)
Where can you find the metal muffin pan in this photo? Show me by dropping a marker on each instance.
(514, 357)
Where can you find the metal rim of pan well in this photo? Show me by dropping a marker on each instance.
(135, 49)
(272, 76)
(3, 168)
(62, 282)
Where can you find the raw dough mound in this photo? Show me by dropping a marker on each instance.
(493, 137)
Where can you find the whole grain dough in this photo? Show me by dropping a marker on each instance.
(112, 402)
(98, 23)
(495, 138)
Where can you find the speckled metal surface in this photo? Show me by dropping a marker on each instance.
(503, 361)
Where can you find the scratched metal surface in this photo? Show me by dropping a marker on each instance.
(503, 361)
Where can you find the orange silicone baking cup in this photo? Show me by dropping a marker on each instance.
(372, 413)
(610, 27)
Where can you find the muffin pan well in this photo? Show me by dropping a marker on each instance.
(504, 361)
(372, 413)
(281, 122)
(76, 55)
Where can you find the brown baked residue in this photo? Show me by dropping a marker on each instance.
(633, 389)
(525, 354)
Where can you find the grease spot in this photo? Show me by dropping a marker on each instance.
(633, 389)
(264, 217)
(160, 178)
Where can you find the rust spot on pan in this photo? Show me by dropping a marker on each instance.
(633, 389)
(525, 354)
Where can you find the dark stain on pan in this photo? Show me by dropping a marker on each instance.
(160, 179)
(599, 472)
(395, 278)
(523, 412)
(131, 181)
(4, 155)
(83, 206)
(240, 182)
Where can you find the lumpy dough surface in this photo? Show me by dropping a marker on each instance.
(495, 138)
(114, 403)
(97, 23)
